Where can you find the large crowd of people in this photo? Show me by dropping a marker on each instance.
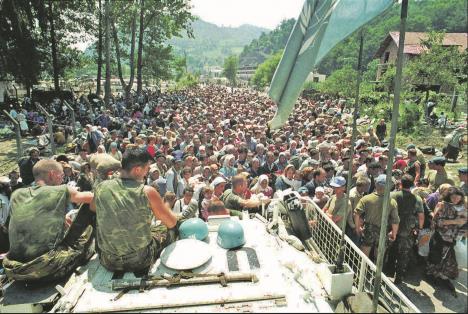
(207, 151)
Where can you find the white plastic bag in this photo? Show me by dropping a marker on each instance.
(424, 238)
(460, 253)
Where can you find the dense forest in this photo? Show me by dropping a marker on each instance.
(423, 16)
(267, 44)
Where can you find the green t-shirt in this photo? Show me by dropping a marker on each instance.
(231, 200)
(436, 179)
(37, 221)
(337, 207)
(372, 205)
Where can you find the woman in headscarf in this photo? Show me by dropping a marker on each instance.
(114, 152)
(101, 149)
(282, 161)
(286, 180)
(255, 168)
(262, 186)
(228, 169)
(450, 216)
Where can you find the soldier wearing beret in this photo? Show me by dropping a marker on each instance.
(463, 175)
(438, 175)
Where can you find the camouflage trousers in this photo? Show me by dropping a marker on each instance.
(55, 264)
(139, 260)
(404, 244)
(399, 254)
(371, 235)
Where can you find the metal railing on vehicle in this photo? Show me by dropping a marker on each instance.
(325, 240)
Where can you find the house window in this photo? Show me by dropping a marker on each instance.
(315, 79)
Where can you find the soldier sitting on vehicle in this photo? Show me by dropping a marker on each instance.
(41, 249)
(124, 210)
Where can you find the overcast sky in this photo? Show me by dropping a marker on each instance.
(264, 13)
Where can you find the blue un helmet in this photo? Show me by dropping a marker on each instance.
(193, 228)
(230, 235)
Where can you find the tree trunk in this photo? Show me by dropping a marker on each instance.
(132, 56)
(140, 49)
(126, 87)
(117, 54)
(53, 41)
(107, 87)
(99, 48)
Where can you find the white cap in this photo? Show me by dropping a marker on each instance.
(217, 181)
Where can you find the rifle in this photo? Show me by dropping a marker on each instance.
(181, 279)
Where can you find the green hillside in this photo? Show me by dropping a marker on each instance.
(212, 44)
(267, 44)
(423, 16)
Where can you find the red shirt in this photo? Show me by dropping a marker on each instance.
(151, 150)
(400, 164)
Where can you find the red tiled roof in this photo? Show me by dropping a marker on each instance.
(413, 42)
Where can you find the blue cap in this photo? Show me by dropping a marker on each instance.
(303, 189)
(381, 179)
(338, 182)
(463, 170)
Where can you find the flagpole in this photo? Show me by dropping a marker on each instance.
(395, 113)
(340, 257)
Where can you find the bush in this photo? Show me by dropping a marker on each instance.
(187, 80)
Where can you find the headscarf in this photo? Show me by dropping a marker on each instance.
(227, 160)
(257, 188)
(294, 184)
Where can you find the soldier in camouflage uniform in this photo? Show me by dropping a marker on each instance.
(410, 206)
(41, 249)
(125, 207)
(371, 207)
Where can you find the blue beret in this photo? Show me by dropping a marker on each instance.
(438, 161)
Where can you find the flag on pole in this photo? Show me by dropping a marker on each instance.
(321, 25)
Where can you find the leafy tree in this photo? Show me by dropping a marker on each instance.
(231, 64)
(180, 66)
(447, 15)
(264, 72)
(437, 65)
(188, 80)
(159, 21)
(68, 23)
(342, 82)
(36, 37)
(19, 40)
